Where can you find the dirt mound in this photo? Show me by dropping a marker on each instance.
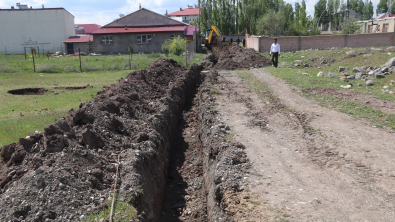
(27, 91)
(73, 87)
(68, 171)
(233, 57)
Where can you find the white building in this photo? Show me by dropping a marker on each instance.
(186, 15)
(42, 28)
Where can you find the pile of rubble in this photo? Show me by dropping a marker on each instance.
(227, 56)
(366, 73)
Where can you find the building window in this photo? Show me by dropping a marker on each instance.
(143, 39)
(172, 36)
(106, 40)
(385, 28)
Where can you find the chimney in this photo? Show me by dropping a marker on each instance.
(139, 5)
(180, 9)
(166, 12)
(31, 7)
(43, 5)
(12, 7)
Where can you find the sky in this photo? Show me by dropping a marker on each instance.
(103, 12)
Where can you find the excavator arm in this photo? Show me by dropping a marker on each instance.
(215, 29)
(212, 38)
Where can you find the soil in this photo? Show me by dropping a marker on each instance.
(202, 146)
(27, 91)
(68, 171)
(231, 57)
(73, 87)
(354, 96)
(310, 163)
(185, 197)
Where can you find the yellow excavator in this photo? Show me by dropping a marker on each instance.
(212, 36)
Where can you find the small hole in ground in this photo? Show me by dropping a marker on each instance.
(27, 91)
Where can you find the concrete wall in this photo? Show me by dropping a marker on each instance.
(121, 43)
(296, 43)
(76, 45)
(40, 28)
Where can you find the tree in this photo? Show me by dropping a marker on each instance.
(297, 12)
(89, 46)
(130, 51)
(303, 14)
(319, 9)
(271, 24)
(367, 10)
(382, 5)
(350, 26)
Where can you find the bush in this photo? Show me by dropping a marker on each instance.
(174, 46)
(177, 46)
(166, 47)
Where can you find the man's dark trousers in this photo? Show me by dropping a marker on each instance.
(275, 57)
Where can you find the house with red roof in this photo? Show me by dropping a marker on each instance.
(187, 15)
(143, 29)
(86, 29)
(78, 43)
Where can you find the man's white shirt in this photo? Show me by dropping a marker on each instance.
(275, 48)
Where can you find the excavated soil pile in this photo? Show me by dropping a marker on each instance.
(68, 171)
(233, 57)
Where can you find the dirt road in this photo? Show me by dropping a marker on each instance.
(310, 163)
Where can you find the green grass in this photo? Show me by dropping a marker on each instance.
(293, 75)
(41, 110)
(122, 212)
(376, 117)
(66, 64)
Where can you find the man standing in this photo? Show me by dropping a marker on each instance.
(244, 43)
(231, 40)
(238, 41)
(275, 52)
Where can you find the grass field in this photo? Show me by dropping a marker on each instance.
(41, 110)
(294, 76)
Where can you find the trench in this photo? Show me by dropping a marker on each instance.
(185, 197)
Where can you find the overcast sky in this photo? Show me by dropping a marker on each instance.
(103, 12)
